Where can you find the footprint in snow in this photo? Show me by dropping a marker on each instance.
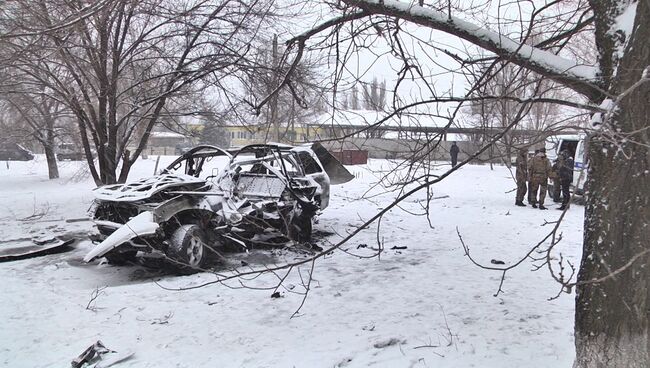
(390, 342)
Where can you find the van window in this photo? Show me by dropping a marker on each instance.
(570, 146)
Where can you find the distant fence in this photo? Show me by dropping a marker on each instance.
(164, 151)
(406, 149)
(385, 148)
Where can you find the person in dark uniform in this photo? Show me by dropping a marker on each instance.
(454, 150)
(521, 175)
(565, 174)
(556, 179)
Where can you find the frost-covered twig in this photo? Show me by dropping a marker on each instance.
(92, 303)
(307, 289)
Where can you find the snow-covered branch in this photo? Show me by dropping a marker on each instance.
(581, 78)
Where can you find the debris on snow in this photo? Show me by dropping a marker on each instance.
(91, 354)
(35, 248)
(276, 295)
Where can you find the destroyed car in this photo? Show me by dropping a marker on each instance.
(209, 200)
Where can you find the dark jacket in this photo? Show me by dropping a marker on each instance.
(522, 167)
(566, 170)
(454, 150)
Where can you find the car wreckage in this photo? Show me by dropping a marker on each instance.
(210, 200)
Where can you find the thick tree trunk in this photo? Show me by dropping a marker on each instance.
(611, 325)
(50, 155)
(107, 167)
(52, 167)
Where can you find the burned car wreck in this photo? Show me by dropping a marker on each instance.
(210, 200)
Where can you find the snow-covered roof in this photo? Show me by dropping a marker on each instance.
(167, 135)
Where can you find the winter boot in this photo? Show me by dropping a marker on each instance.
(534, 205)
(541, 207)
(520, 204)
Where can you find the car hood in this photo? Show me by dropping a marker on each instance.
(145, 188)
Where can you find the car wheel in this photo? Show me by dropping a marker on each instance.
(188, 247)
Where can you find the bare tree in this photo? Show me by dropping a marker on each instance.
(496, 100)
(301, 98)
(119, 69)
(35, 114)
(354, 98)
(374, 95)
(43, 119)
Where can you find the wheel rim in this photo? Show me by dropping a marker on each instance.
(194, 252)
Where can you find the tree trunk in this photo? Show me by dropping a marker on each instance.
(107, 167)
(611, 324)
(52, 167)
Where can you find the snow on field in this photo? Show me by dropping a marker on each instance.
(423, 306)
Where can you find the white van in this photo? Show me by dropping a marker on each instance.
(576, 145)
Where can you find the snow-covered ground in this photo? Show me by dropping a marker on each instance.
(423, 306)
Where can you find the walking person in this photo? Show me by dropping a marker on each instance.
(454, 150)
(565, 178)
(521, 174)
(539, 170)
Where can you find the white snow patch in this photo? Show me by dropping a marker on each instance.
(427, 294)
(598, 118)
(624, 26)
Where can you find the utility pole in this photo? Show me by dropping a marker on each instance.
(274, 100)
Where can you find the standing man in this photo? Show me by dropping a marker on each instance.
(521, 175)
(556, 178)
(454, 150)
(565, 178)
(538, 173)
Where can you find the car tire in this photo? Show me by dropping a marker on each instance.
(188, 249)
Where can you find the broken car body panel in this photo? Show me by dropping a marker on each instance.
(141, 225)
(144, 188)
